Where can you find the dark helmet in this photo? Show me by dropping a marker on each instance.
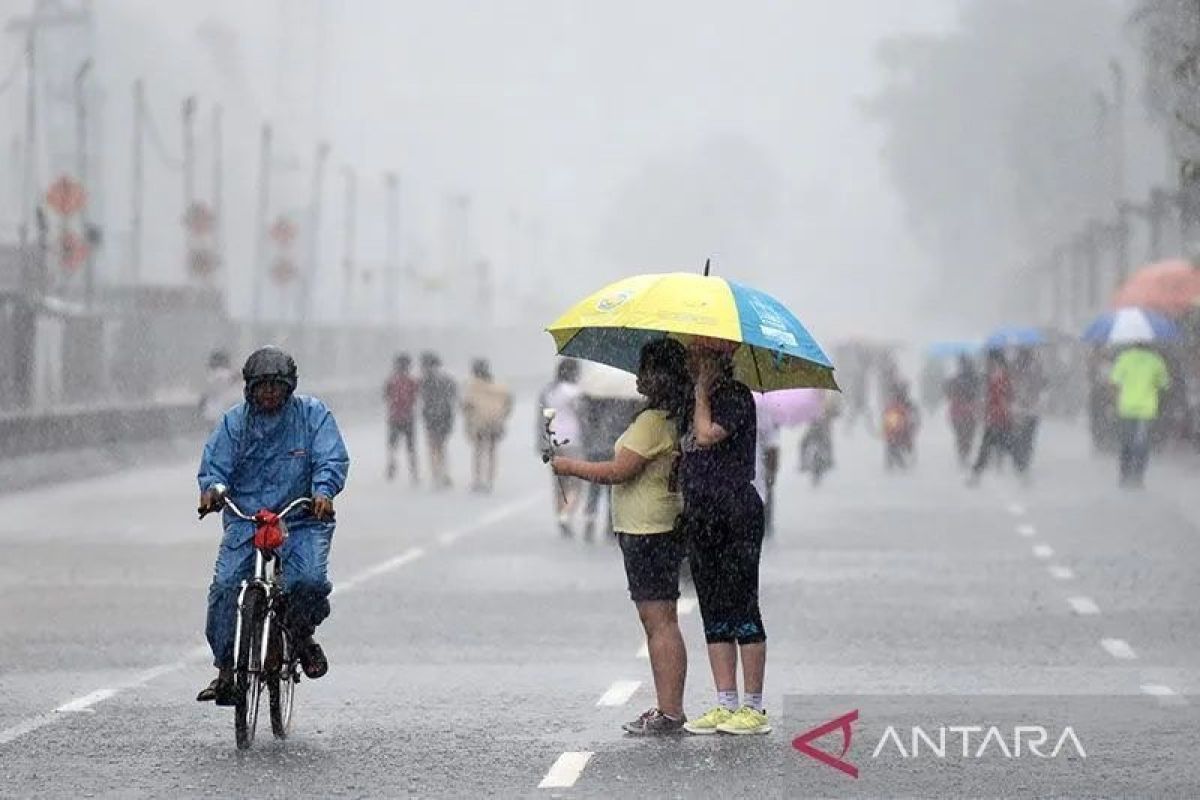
(269, 364)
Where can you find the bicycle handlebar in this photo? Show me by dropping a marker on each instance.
(226, 502)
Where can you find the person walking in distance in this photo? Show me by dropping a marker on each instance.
(564, 397)
(1029, 385)
(962, 401)
(486, 408)
(645, 505)
(723, 519)
(997, 415)
(400, 394)
(1140, 376)
(439, 396)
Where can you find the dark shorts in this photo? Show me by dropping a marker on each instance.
(652, 563)
(398, 429)
(725, 545)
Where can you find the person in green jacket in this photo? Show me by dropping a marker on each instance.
(1140, 376)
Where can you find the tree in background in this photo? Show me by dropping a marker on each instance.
(997, 136)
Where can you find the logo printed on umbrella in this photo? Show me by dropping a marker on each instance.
(613, 301)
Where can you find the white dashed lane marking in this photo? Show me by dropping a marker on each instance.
(1164, 694)
(1026, 529)
(566, 770)
(1016, 509)
(1118, 648)
(619, 693)
(1061, 573)
(1083, 605)
(1043, 551)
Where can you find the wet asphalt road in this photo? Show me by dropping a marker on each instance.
(470, 643)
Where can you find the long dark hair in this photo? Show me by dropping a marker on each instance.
(669, 387)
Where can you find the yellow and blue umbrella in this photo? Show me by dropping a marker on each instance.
(773, 349)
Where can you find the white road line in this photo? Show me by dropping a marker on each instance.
(643, 651)
(1043, 551)
(382, 568)
(143, 677)
(1164, 694)
(1118, 648)
(565, 770)
(1025, 529)
(686, 605)
(1083, 605)
(1061, 573)
(619, 693)
(86, 702)
(1016, 509)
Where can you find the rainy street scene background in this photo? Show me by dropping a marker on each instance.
(554, 398)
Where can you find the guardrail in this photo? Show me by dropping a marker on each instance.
(23, 434)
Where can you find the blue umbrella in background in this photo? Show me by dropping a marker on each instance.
(1129, 325)
(951, 349)
(1015, 336)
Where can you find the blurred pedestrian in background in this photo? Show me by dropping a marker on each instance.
(816, 446)
(1140, 376)
(610, 400)
(997, 415)
(766, 462)
(564, 397)
(439, 401)
(963, 401)
(1029, 387)
(723, 518)
(400, 394)
(645, 506)
(487, 406)
(900, 421)
(222, 388)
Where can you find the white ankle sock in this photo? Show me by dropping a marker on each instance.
(728, 700)
(754, 701)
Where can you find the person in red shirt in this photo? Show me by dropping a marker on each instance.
(997, 414)
(400, 392)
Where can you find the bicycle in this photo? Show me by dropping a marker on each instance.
(262, 649)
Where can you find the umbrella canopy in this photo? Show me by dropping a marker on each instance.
(1169, 287)
(1128, 325)
(792, 406)
(771, 349)
(1014, 336)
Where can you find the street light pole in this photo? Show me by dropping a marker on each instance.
(217, 185)
(307, 287)
(349, 220)
(392, 272)
(137, 184)
(81, 167)
(260, 227)
(188, 113)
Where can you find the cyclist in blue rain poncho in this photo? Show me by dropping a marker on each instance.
(264, 452)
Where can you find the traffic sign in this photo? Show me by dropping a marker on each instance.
(66, 196)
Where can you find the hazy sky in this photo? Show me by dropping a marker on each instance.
(544, 111)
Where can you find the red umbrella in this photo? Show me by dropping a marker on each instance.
(1168, 287)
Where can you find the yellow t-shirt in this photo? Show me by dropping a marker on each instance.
(646, 504)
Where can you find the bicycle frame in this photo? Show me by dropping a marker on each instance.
(267, 583)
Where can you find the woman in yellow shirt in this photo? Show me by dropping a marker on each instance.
(645, 504)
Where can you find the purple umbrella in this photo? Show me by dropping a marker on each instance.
(792, 406)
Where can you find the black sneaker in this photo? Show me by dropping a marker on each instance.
(655, 723)
(312, 658)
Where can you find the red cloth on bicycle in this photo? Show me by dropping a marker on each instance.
(268, 535)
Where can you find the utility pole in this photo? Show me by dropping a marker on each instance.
(81, 168)
(391, 278)
(217, 185)
(349, 221)
(311, 267)
(137, 185)
(260, 227)
(1118, 129)
(188, 113)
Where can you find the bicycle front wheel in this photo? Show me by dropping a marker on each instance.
(281, 691)
(245, 710)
